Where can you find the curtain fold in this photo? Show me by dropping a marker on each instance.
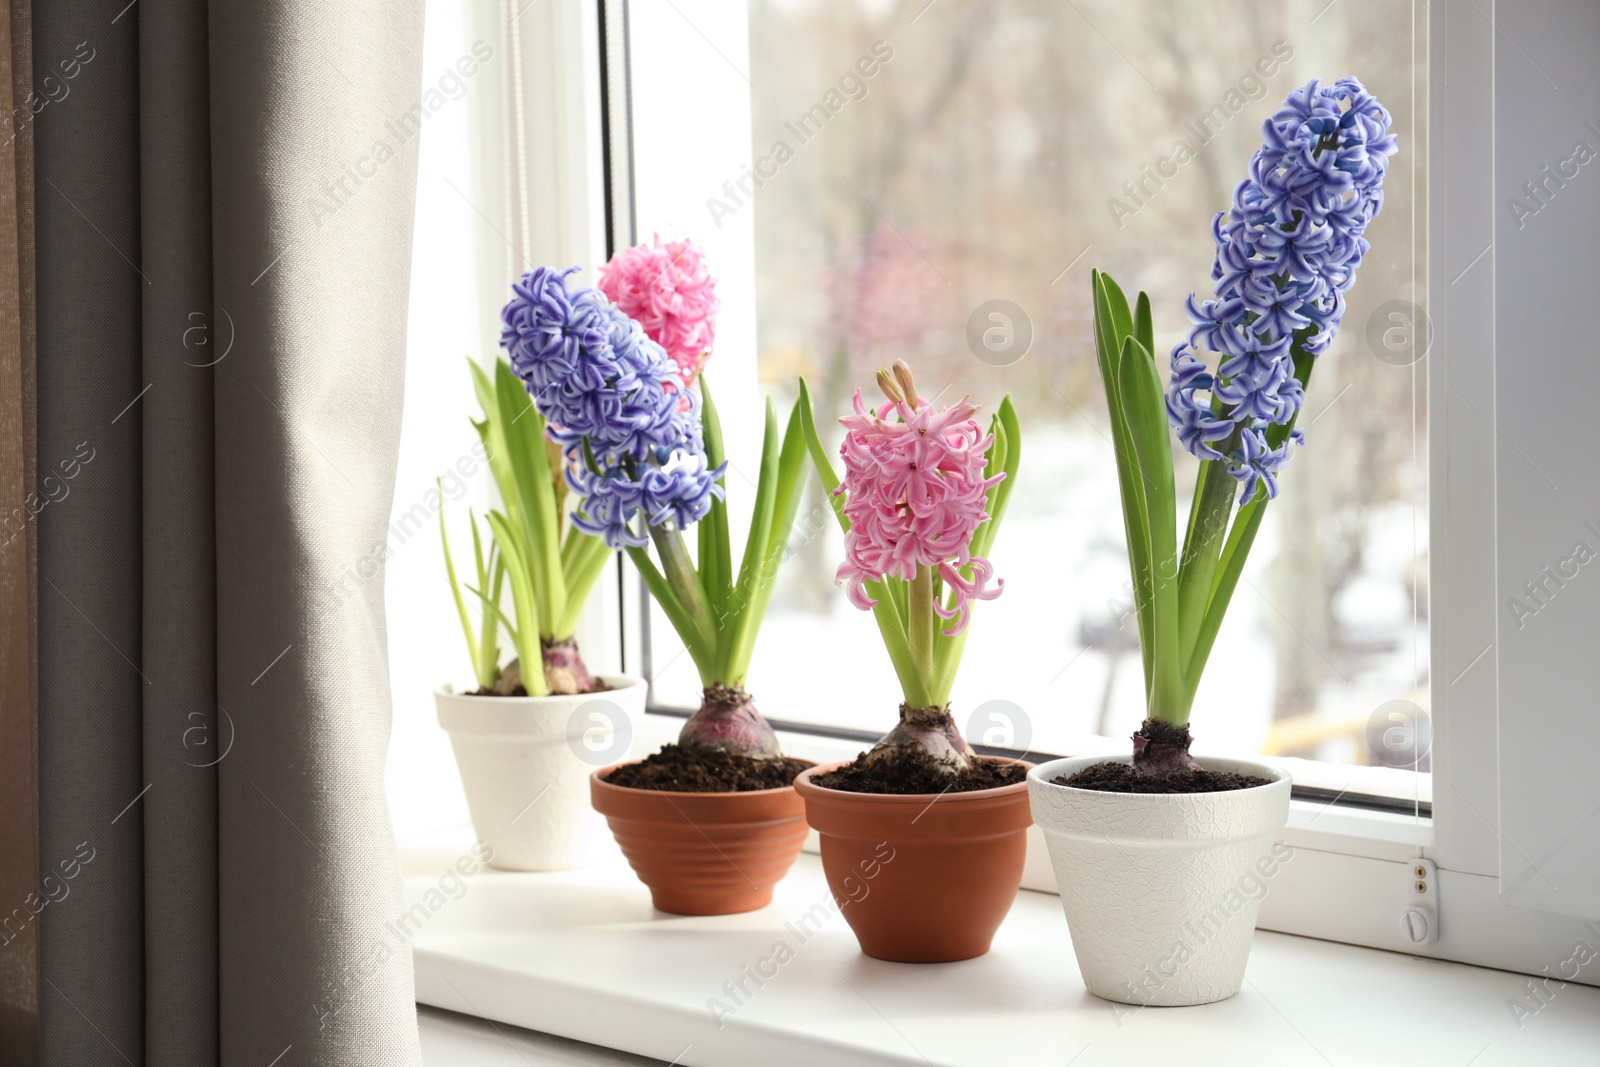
(224, 215)
(91, 689)
(312, 255)
(185, 735)
(19, 796)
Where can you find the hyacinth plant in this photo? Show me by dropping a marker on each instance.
(643, 453)
(1287, 251)
(536, 545)
(921, 500)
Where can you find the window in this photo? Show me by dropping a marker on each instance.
(982, 159)
(936, 186)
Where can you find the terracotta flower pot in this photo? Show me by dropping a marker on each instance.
(940, 889)
(704, 853)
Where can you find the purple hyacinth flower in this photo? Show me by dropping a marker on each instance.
(615, 403)
(1287, 251)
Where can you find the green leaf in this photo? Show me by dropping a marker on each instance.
(715, 556)
(1108, 351)
(574, 544)
(1144, 407)
(527, 470)
(1241, 537)
(492, 613)
(791, 461)
(588, 564)
(1005, 454)
(1143, 326)
(489, 649)
(684, 623)
(500, 409)
(819, 457)
(535, 519)
(555, 459)
(673, 551)
(785, 505)
(753, 561)
(529, 650)
(1208, 523)
(914, 684)
(484, 390)
(455, 591)
(489, 644)
(477, 541)
(493, 439)
(1118, 303)
(897, 594)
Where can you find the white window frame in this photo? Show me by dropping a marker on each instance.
(1354, 874)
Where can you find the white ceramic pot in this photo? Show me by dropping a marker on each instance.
(525, 765)
(1161, 890)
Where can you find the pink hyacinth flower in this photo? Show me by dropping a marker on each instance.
(668, 291)
(917, 492)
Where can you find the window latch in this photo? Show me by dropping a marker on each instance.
(1419, 916)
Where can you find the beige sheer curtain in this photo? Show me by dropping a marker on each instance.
(220, 245)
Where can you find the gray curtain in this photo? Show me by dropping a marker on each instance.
(223, 258)
(19, 795)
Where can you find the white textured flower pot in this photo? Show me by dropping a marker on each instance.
(1161, 890)
(525, 764)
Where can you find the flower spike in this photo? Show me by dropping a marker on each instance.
(628, 426)
(1287, 250)
(914, 475)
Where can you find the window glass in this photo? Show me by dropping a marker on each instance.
(936, 181)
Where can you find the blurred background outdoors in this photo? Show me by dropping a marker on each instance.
(985, 160)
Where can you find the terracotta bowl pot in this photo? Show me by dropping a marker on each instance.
(704, 853)
(924, 878)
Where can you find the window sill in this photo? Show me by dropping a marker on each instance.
(450, 1039)
(581, 954)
